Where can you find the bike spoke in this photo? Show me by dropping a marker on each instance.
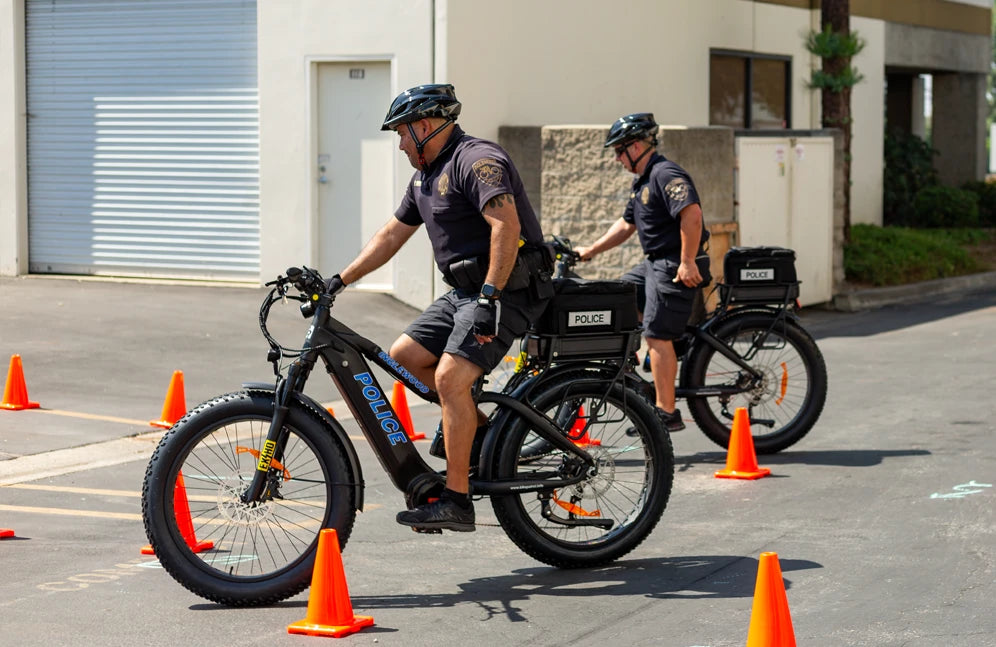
(262, 537)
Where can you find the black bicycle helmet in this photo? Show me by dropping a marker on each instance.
(421, 102)
(640, 125)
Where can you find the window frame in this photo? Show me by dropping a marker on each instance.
(749, 58)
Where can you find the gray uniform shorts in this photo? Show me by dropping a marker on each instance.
(666, 305)
(446, 326)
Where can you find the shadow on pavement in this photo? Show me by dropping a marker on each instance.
(838, 457)
(828, 323)
(692, 577)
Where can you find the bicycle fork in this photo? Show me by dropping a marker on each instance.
(271, 453)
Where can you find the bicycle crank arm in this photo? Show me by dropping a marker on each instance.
(764, 422)
(604, 524)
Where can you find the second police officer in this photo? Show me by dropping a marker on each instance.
(665, 212)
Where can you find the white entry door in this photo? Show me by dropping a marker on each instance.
(355, 164)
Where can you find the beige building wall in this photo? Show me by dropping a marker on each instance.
(537, 64)
(868, 127)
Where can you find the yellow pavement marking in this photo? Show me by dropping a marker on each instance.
(130, 516)
(74, 490)
(93, 416)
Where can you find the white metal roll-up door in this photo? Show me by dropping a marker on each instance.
(143, 138)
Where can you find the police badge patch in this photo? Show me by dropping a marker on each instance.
(444, 184)
(645, 195)
(677, 189)
(488, 171)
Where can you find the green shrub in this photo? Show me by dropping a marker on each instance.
(945, 206)
(987, 201)
(909, 168)
(899, 255)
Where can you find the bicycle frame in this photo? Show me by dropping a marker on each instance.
(345, 354)
(702, 334)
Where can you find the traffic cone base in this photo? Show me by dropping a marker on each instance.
(741, 461)
(399, 402)
(336, 631)
(5, 533)
(330, 613)
(181, 508)
(580, 427)
(15, 391)
(175, 406)
(770, 619)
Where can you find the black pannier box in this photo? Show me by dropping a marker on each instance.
(759, 275)
(604, 345)
(584, 307)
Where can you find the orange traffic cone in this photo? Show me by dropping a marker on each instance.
(5, 533)
(330, 613)
(174, 407)
(770, 620)
(580, 430)
(15, 391)
(181, 507)
(741, 461)
(399, 402)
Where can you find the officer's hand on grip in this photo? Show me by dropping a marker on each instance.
(487, 313)
(334, 285)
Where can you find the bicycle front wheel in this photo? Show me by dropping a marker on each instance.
(611, 512)
(220, 547)
(784, 405)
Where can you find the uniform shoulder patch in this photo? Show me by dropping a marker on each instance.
(488, 171)
(677, 189)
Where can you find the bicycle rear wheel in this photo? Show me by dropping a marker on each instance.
(262, 552)
(788, 400)
(611, 512)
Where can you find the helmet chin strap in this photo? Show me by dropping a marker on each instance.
(633, 162)
(420, 144)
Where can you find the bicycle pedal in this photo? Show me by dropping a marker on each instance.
(427, 531)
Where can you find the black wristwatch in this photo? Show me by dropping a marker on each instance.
(490, 292)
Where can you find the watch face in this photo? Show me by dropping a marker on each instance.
(490, 291)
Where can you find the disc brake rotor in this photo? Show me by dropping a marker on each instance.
(236, 511)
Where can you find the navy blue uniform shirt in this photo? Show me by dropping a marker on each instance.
(658, 197)
(450, 196)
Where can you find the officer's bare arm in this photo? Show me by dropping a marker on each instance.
(384, 244)
(615, 236)
(501, 214)
(691, 238)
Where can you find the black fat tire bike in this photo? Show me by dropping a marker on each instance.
(750, 352)
(264, 469)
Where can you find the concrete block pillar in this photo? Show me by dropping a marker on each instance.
(959, 127)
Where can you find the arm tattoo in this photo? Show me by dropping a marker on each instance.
(499, 201)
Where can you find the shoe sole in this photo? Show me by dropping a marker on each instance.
(444, 525)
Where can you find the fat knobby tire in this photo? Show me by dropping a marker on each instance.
(191, 570)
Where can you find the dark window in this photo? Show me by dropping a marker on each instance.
(749, 90)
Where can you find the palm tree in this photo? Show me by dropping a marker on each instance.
(836, 45)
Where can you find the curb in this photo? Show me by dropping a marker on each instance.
(878, 297)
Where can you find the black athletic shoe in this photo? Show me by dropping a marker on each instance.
(441, 514)
(671, 421)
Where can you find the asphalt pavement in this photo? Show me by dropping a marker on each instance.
(882, 516)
